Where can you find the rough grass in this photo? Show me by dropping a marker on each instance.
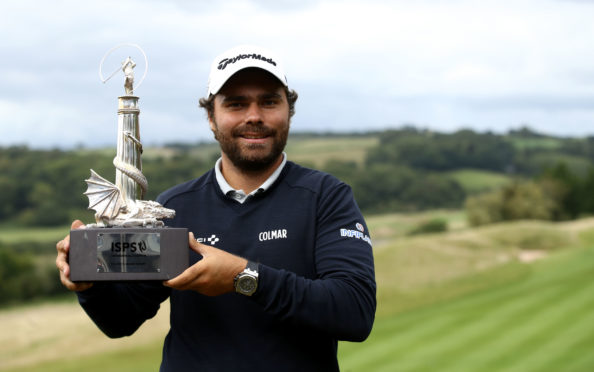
(385, 228)
(144, 357)
(58, 336)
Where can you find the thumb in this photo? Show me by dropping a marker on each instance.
(201, 249)
(76, 224)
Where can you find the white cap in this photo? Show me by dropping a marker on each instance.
(238, 58)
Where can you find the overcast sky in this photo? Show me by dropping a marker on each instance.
(357, 65)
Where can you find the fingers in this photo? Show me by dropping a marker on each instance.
(79, 287)
(76, 224)
(212, 275)
(189, 276)
(186, 279)
(63, 248)
(201, 249)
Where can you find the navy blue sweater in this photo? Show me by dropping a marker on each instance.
(316, 283)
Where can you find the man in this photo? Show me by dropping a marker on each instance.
(281, 260)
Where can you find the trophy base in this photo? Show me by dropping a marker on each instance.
(127, 254)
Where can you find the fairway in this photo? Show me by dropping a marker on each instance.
(542, 322)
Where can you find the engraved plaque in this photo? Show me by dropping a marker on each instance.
(125, 252)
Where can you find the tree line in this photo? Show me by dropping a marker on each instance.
(408, 170)
(45, 188)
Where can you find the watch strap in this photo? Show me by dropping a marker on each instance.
(252, 266)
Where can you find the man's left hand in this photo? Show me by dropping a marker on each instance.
(213, 275)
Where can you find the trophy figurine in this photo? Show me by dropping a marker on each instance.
(128, 241)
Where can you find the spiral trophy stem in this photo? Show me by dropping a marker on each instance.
(128, 163)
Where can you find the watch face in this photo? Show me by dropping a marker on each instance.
(246, 284)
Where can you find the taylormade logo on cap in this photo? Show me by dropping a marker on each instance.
(236, 59)
(226, 61)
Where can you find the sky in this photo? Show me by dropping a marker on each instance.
(358, 65)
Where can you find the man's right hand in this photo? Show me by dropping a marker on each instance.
(63, 247)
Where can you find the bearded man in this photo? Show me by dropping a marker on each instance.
(281, 264)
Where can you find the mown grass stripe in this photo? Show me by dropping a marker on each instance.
(522, 336)
(579, 356)
(477, 335)
(409, 331)
(446, 348)
(579, 290)
(404, 320)
(378, 348)
(505, 326)
(549, 329)
(546, 312)
(413, 338)
(574, 322)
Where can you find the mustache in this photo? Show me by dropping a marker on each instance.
(253, 129)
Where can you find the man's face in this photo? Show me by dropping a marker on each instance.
(251, 119)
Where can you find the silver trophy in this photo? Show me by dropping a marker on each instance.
(128, 241)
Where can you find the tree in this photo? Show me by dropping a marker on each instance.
(521, 200)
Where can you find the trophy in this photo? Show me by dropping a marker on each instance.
(128, 241)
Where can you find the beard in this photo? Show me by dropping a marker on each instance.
(252, 157)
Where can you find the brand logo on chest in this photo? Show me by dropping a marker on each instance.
(212, 240)
(272, 235)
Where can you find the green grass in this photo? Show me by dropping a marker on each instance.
(421, 270)
(10, 234)
(539, 321)
(547, 143)
(576, 164)
(103, 151)
(317, 151)
(387, 227)
(474, 180)
(146, 357)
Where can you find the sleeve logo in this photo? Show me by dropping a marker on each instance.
(356, 234)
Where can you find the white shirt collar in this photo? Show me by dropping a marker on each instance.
(239, 195)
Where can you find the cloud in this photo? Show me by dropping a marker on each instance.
(356, 64)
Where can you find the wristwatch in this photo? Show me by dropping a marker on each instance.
(246, 282)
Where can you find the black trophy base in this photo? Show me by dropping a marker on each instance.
(127, 254)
